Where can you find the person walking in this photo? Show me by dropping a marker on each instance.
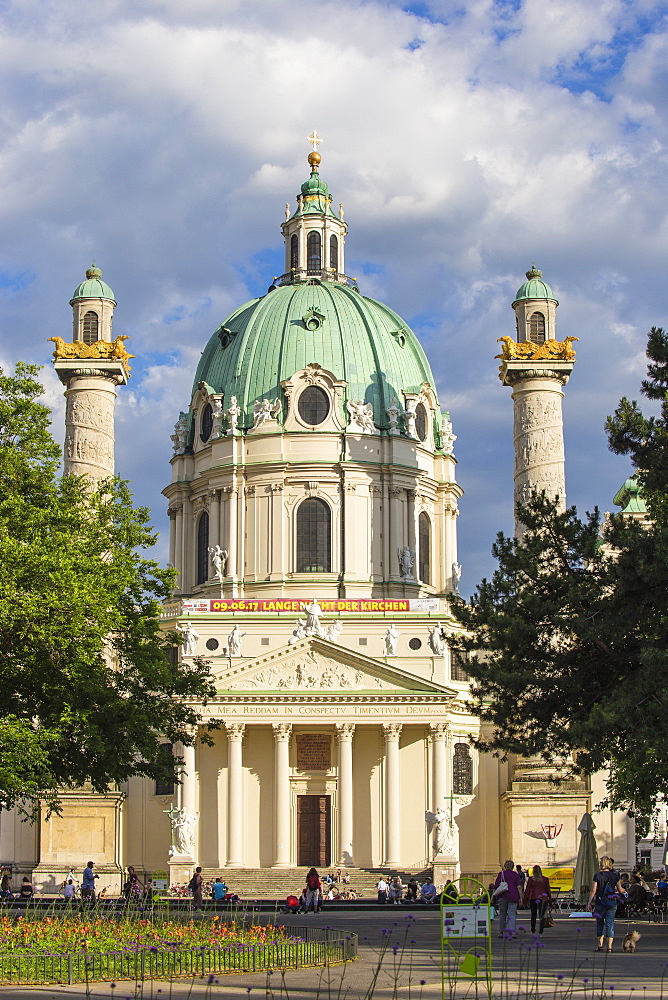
(195, 886)
(538, 896)
(606, 891)
(507, 899)
(313, 891)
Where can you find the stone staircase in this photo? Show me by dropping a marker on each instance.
(277, 883)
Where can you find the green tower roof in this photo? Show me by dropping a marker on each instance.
(93, 287)
(534, 287)
(358, 339)
(629, 497)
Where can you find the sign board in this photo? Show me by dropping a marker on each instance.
(560, 878)
(296, 605)
(314, 751)
(466, 921)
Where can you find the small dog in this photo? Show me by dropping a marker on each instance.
(630, 941)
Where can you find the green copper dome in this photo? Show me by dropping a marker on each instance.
(93, 287)
(534, 287)
(359, 340)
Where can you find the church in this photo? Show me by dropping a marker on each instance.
(313, 508)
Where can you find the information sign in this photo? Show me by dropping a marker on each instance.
(466, 920)
(560, 878)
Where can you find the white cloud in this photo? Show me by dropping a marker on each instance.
(164, 138)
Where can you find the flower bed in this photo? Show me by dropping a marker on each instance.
(87, 950)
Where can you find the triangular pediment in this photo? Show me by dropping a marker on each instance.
(318, 665)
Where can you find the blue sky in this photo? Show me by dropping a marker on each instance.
(465, 141)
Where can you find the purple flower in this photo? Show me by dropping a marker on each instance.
(395, 948)
(559, 976)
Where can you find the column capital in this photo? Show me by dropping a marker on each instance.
(235, 730)
(282, 730)
(345, 731)
(439, 730)
(392, 730)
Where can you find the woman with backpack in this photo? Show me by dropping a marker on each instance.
(313, 892)
(606, 892)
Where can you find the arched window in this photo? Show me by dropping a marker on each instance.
(334, 252)
(294, 252)
(537, 328)
(314, 537)
(206, 425)
(203, 548)
(424, 547)
(313, 253)
(90, 327)
(462, 770)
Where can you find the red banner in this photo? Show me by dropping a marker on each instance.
(297, 606)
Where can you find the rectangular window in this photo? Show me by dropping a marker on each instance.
(165, 787)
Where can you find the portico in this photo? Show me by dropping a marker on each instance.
(324, 778)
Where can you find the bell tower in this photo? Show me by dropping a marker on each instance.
(90, 368)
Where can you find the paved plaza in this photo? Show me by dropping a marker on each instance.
(567, 951)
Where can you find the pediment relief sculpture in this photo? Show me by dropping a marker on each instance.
(309, 670)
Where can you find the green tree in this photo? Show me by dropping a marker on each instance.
(569, 639)
(89, 689)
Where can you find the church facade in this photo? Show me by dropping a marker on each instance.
(313, 508)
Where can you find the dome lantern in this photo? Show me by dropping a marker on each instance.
(314, 234)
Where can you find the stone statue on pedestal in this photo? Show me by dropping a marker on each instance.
(184, 826)
(189, 638)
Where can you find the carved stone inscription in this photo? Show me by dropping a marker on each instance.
(314, 751)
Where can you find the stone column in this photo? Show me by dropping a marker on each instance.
(178, 547)
(345, 732)
(439, 764)
(411, 496)
(188, 546)
(233, 529)
(396, 532)
(89, 424)
(235, 794)
(537, 391)
(189, 782)
(214, 523)
(393, 804)
(282, 731)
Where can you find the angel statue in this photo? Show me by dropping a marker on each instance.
(264, 410)
(218, 560)
(443, 836)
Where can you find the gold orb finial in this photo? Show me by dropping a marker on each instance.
(314, 159)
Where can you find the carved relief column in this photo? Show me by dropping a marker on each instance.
(393, 804)
(345, 732)
(235, 794)
(278, 556)
(282, 731)
(439, 763)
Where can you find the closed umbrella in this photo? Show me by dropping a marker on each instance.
(586, 865)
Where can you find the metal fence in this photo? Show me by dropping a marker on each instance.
(307, 946)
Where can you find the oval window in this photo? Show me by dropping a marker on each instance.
(421, 421)
(313, 405)
(207, 422)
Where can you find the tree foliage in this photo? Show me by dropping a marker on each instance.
(89, 689)
(569, 639)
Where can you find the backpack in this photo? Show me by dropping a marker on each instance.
(607, 895)
(194, 882)
(313, 882)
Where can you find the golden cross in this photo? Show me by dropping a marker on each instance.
(315, 139)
